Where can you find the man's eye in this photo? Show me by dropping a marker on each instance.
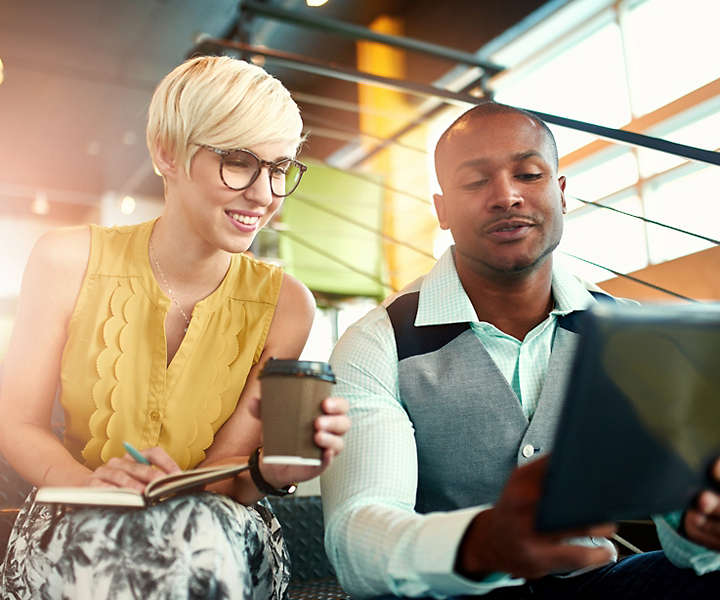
(279, 172)
(529, 176)
(471, 185)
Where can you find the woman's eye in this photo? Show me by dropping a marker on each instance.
(238, 164)
(279, 172)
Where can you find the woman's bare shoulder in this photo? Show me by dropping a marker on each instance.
(58, 262)
(293, 318)
(63, 246)
(295, 296)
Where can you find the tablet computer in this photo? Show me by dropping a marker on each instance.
(640, 426)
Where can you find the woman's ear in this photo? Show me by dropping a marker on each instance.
(164, 161)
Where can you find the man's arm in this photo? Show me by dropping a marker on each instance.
(375, 540)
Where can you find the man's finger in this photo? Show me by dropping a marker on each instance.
(702, 529)
(569, 557)
(709, 503)
(602, 530)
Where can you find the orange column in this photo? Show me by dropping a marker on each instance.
(404, 218)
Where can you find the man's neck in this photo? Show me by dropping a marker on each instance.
(515, 303)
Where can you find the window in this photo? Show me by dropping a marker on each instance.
(688, 200)
(607, 238)
(671, 49)
(584, 80)
(602, 175)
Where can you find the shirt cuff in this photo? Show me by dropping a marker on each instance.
(435, 551)
(682, 552)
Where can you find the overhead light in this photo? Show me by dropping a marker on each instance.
(129, 138)
(40, 204)
(127, 205)
(315, 2)
(2, 71)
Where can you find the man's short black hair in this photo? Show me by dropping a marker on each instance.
(492, 108)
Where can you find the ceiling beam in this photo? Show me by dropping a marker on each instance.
(357, 32)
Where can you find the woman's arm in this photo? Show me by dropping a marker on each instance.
(51, 284)
(241, 434)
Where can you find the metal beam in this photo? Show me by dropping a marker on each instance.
(336, 71)
(417, 121)
(363, 33)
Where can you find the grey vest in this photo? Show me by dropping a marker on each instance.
(470, 429)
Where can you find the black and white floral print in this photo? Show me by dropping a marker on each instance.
(195, 546)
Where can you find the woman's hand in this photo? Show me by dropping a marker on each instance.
(127, 472)
(330, 427)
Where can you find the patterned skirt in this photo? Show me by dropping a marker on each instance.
(195, 546)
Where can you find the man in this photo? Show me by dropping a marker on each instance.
(455, 388)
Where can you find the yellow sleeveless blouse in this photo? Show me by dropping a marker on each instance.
(115, 381)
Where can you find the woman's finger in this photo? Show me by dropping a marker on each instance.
(128, 465)
(329, 441)
(339, 424)
(333, 405)
(162, 461)
(253, 406)
(118, 478)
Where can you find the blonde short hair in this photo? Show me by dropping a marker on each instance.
(222, 102)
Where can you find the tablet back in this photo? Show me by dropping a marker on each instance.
(641, 421)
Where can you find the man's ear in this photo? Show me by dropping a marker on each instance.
(439, 201)
(165, 161)
(561, 182)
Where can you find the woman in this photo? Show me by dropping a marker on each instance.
(156, 334)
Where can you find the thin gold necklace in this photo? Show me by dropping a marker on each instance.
(167, 286)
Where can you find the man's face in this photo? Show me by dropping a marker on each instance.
(502, 199)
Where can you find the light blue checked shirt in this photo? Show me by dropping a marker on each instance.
(376, 541)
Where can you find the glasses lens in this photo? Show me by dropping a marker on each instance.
(285, 177)
(239, 168)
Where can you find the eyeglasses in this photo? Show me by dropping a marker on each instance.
(239, 169)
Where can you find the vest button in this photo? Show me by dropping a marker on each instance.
(528, 450)
(155, 415)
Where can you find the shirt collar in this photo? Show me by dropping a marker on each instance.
(443, 299)
(570, 292)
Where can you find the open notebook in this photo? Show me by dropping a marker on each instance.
(157, 491)
(641, 421)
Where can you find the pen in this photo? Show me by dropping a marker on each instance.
(132, 451)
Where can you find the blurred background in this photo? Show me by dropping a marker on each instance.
(77, 77)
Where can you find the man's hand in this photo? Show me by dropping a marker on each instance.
(504, 539)
(702, 521)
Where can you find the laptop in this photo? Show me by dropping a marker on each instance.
(640, 426)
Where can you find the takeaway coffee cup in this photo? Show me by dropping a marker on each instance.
(292, 392)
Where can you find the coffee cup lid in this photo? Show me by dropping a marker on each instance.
(298, 368)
